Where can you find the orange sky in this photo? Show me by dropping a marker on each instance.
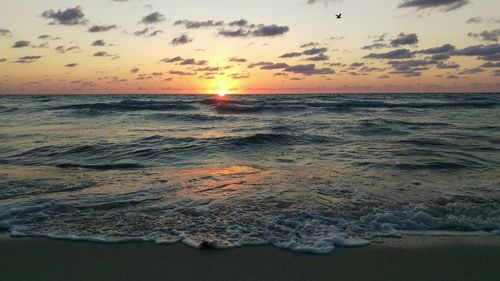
(287, 46)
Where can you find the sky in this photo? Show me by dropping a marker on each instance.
(249, 47)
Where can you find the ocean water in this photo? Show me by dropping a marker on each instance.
(300, 172)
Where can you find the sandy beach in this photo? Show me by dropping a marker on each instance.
(410, 258)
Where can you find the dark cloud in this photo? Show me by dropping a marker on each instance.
(493, 35)
(70, 16)
(241, 23)
(99, 43)
(314, 51)
(273, 66)
(181, 73)
(405, 39)
(153, 18)
(374, 46)
(442, 56)
(309, 69)
(291, 55)
(311, 44)
(134, 70)
(445, 5)
(28, 59)
(472, 71)
(71, 65)
(243, 28)
(396, 54)
(233, 33)
(181, 40)
(442, 65)
(171, 60)
(270, 30)
(102, 28)
(239, 76)
(148, 32)
(237, 59)
(48, 37)
(491, 64)
(411, 65)
(3, 59)
(320, 57)
(198, 24)
(22, 44)
(102, 54)
(193, 62)
(5, 32)
(475, 20)
(486, 52)
(446, 48)
(63, 49)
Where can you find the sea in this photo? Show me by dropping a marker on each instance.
(305, 173)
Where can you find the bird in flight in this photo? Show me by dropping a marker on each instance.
(339, 16)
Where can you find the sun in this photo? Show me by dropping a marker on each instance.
(222, 93)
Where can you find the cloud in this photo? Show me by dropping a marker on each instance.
(237, 59)
(181, 40)
(291, 55)
(153, 18)
(270, 30)
(181, 73)
(102, 28)
(442, 65)
(71, 65)
(405, 39)
(63, 49)
(396, 54)
(310, 44)
(239, 76)
(242, 28)
(475, 20)
(309, 69)
(28, 59)
(193, 62)
(171, 60)
(99, 43)
(446, 48)
(134, 70)
(273, 66)
(491, 64)
(148, 32)
(314, 51)
(320, 57)
(48, 37)
(472, 71)
(487, 35)
(374, 46)
(486, 52)
(198, 24)
(442, 56)
(444, 5)
(5, 32)
(22, 44)
(3, 59)
(70, 16)
(102, 54)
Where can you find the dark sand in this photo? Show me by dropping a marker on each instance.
(411, 258)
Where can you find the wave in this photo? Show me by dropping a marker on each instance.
(129, 105)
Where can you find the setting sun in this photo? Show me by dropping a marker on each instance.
(222, 93)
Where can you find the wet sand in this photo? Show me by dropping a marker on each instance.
(410, 258)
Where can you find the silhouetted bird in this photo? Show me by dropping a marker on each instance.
(339, 16)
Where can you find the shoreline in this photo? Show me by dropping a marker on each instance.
(407, 258)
